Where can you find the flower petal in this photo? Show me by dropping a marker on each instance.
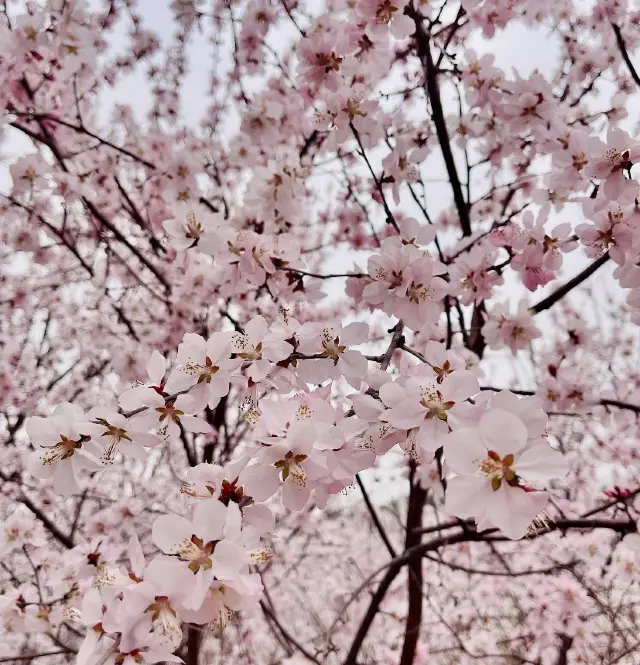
(169, 531)
(503, 432)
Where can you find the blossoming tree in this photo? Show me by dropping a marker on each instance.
(331, 358)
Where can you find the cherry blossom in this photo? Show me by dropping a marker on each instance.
(118, 435)
(426, 405)
(62, 451)
(492, 462)
(253, 341)
(611, 162)
(333, 344)
(200, 548)
(516, 331)
(203, 366)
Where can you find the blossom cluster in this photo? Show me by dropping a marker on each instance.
(173, 290)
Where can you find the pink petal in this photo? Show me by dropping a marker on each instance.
(228, 559)
(260, 482)
(256, 329)
(402, 27)
(466, 496)
(41, 431)
(353, 363)
(208, 518)
(512, 510)
(156, 367)
(540, 464)
(405, 415)
(502, 432)
(463, 451)
(169, 531)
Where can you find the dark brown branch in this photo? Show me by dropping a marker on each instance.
(625, 54)
(47, 139)
(422, 38)
(12, 659)
(396, 342)
(394, 567)
(286, 634)
(304, 273)
(47, 523)
(374, 517)
(497, 573)
(372, 610)
(618, 404)
(390, 218)
(83, 130)
(192, 647)
(566, 642)
(560, 293)
(417, 498)
(579, 523)
(217, 419)
(121, 237)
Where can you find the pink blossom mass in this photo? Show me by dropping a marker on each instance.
(319, 332)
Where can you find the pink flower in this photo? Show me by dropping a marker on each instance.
(118, 434)
(92, 615)
(471, 273)
(404, 282)
(200, 547)
(426, 405)
(333, 343)
(421, 304)
(290, 460)
(400, 166)
(429, 478)
(413, 233)
(515, 331)
(538, 253)
(321, 60)
(29, 174)
(389, 274)
(156, 409)
(385, 16)
(492, 463)
(189, 226)
(608, 233)
(570, 161)
(348, 106)
(62, 448)
(152, 606)
(204, 368)
(611, 161)
(259, 348)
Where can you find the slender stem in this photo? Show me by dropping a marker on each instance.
(390, 218)
(375, 518)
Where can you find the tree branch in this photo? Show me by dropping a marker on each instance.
(625, 54)
(422, 38)
(375, 518)
(417, 498)
(560, 293)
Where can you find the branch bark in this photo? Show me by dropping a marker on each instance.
(625, 54)
(417, 498)
(560, 293)
(374, 517)
(432, 87)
